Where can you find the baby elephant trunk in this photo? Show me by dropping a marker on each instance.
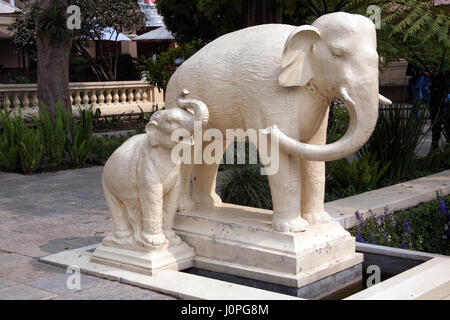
(201, 112)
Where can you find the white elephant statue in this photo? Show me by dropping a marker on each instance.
(142, 184)
(286, 76)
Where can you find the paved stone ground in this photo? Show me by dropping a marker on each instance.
(48, 213)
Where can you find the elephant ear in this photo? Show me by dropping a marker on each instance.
(151, 133)
(295, 62)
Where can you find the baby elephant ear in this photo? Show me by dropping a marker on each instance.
(151, 133)
(295, 62)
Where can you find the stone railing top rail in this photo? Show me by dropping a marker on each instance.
(77, 86)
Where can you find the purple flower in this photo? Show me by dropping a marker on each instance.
(406, 226)
(379, 220)
(403, 245)
(358, 217)
(359, 236)
(443, 209)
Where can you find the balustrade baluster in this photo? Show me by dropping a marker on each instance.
(101, 97)
(85, 98)
(137, 96)
(130, 95)
(25, 100)
(116, 96)
(16, 100)
(123, 97)
(144, 95)
(93, 97)
(77, 98)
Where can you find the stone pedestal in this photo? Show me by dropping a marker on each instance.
(174, 257)
(240, 241)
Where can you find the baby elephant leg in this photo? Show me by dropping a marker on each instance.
(152, 205)
(169, 213)
(121, 227)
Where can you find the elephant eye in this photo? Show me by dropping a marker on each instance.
(336, 53)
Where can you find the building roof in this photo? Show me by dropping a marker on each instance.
(158, 34)
(6, 8)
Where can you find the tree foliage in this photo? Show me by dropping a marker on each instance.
(98, 18)
(200, 19)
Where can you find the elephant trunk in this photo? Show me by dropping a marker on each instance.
(201, 112)
(363, 118)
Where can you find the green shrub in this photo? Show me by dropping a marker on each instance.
(423, 228)
(244, 185)
(398, 133)
(9, 156)
(103, 147)
(363, 173)
(53, 134)
(29, 147)
(159, 72)
(338, 122)
(81, 136)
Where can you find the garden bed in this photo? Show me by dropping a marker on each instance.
(424, 228)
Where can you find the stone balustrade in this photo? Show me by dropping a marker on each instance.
(112, 97)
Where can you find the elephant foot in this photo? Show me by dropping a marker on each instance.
(289, 225)
(122, 234)
(185, 203)
(174, 239)
(207, 200)
(317, 217)
(154, 240)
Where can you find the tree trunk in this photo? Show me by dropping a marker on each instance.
(53, 68)
(261, 12)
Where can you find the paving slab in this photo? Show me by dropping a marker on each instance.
(111, 290)
(4, 283)
(58, 284)
(24, 292)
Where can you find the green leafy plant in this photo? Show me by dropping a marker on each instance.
(53, 134)
(244, 185)
(398, 133)
(81, 136)
(159, 72)
(363, 173)
(9, 156)
(103, 147)
(53, 22)
(29, 147)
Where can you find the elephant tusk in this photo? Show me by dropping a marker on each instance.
(153, 123)
(384, 100)
(346, 97)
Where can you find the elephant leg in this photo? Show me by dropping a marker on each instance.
(313, 182)
(170, 211)
(204, 180)
(184, 201)
(151, 196)
(286, 189)
(121, 227)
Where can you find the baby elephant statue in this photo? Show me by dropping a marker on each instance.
(142, 184)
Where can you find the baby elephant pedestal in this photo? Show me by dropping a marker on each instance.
(240, 241)
(178, 257)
